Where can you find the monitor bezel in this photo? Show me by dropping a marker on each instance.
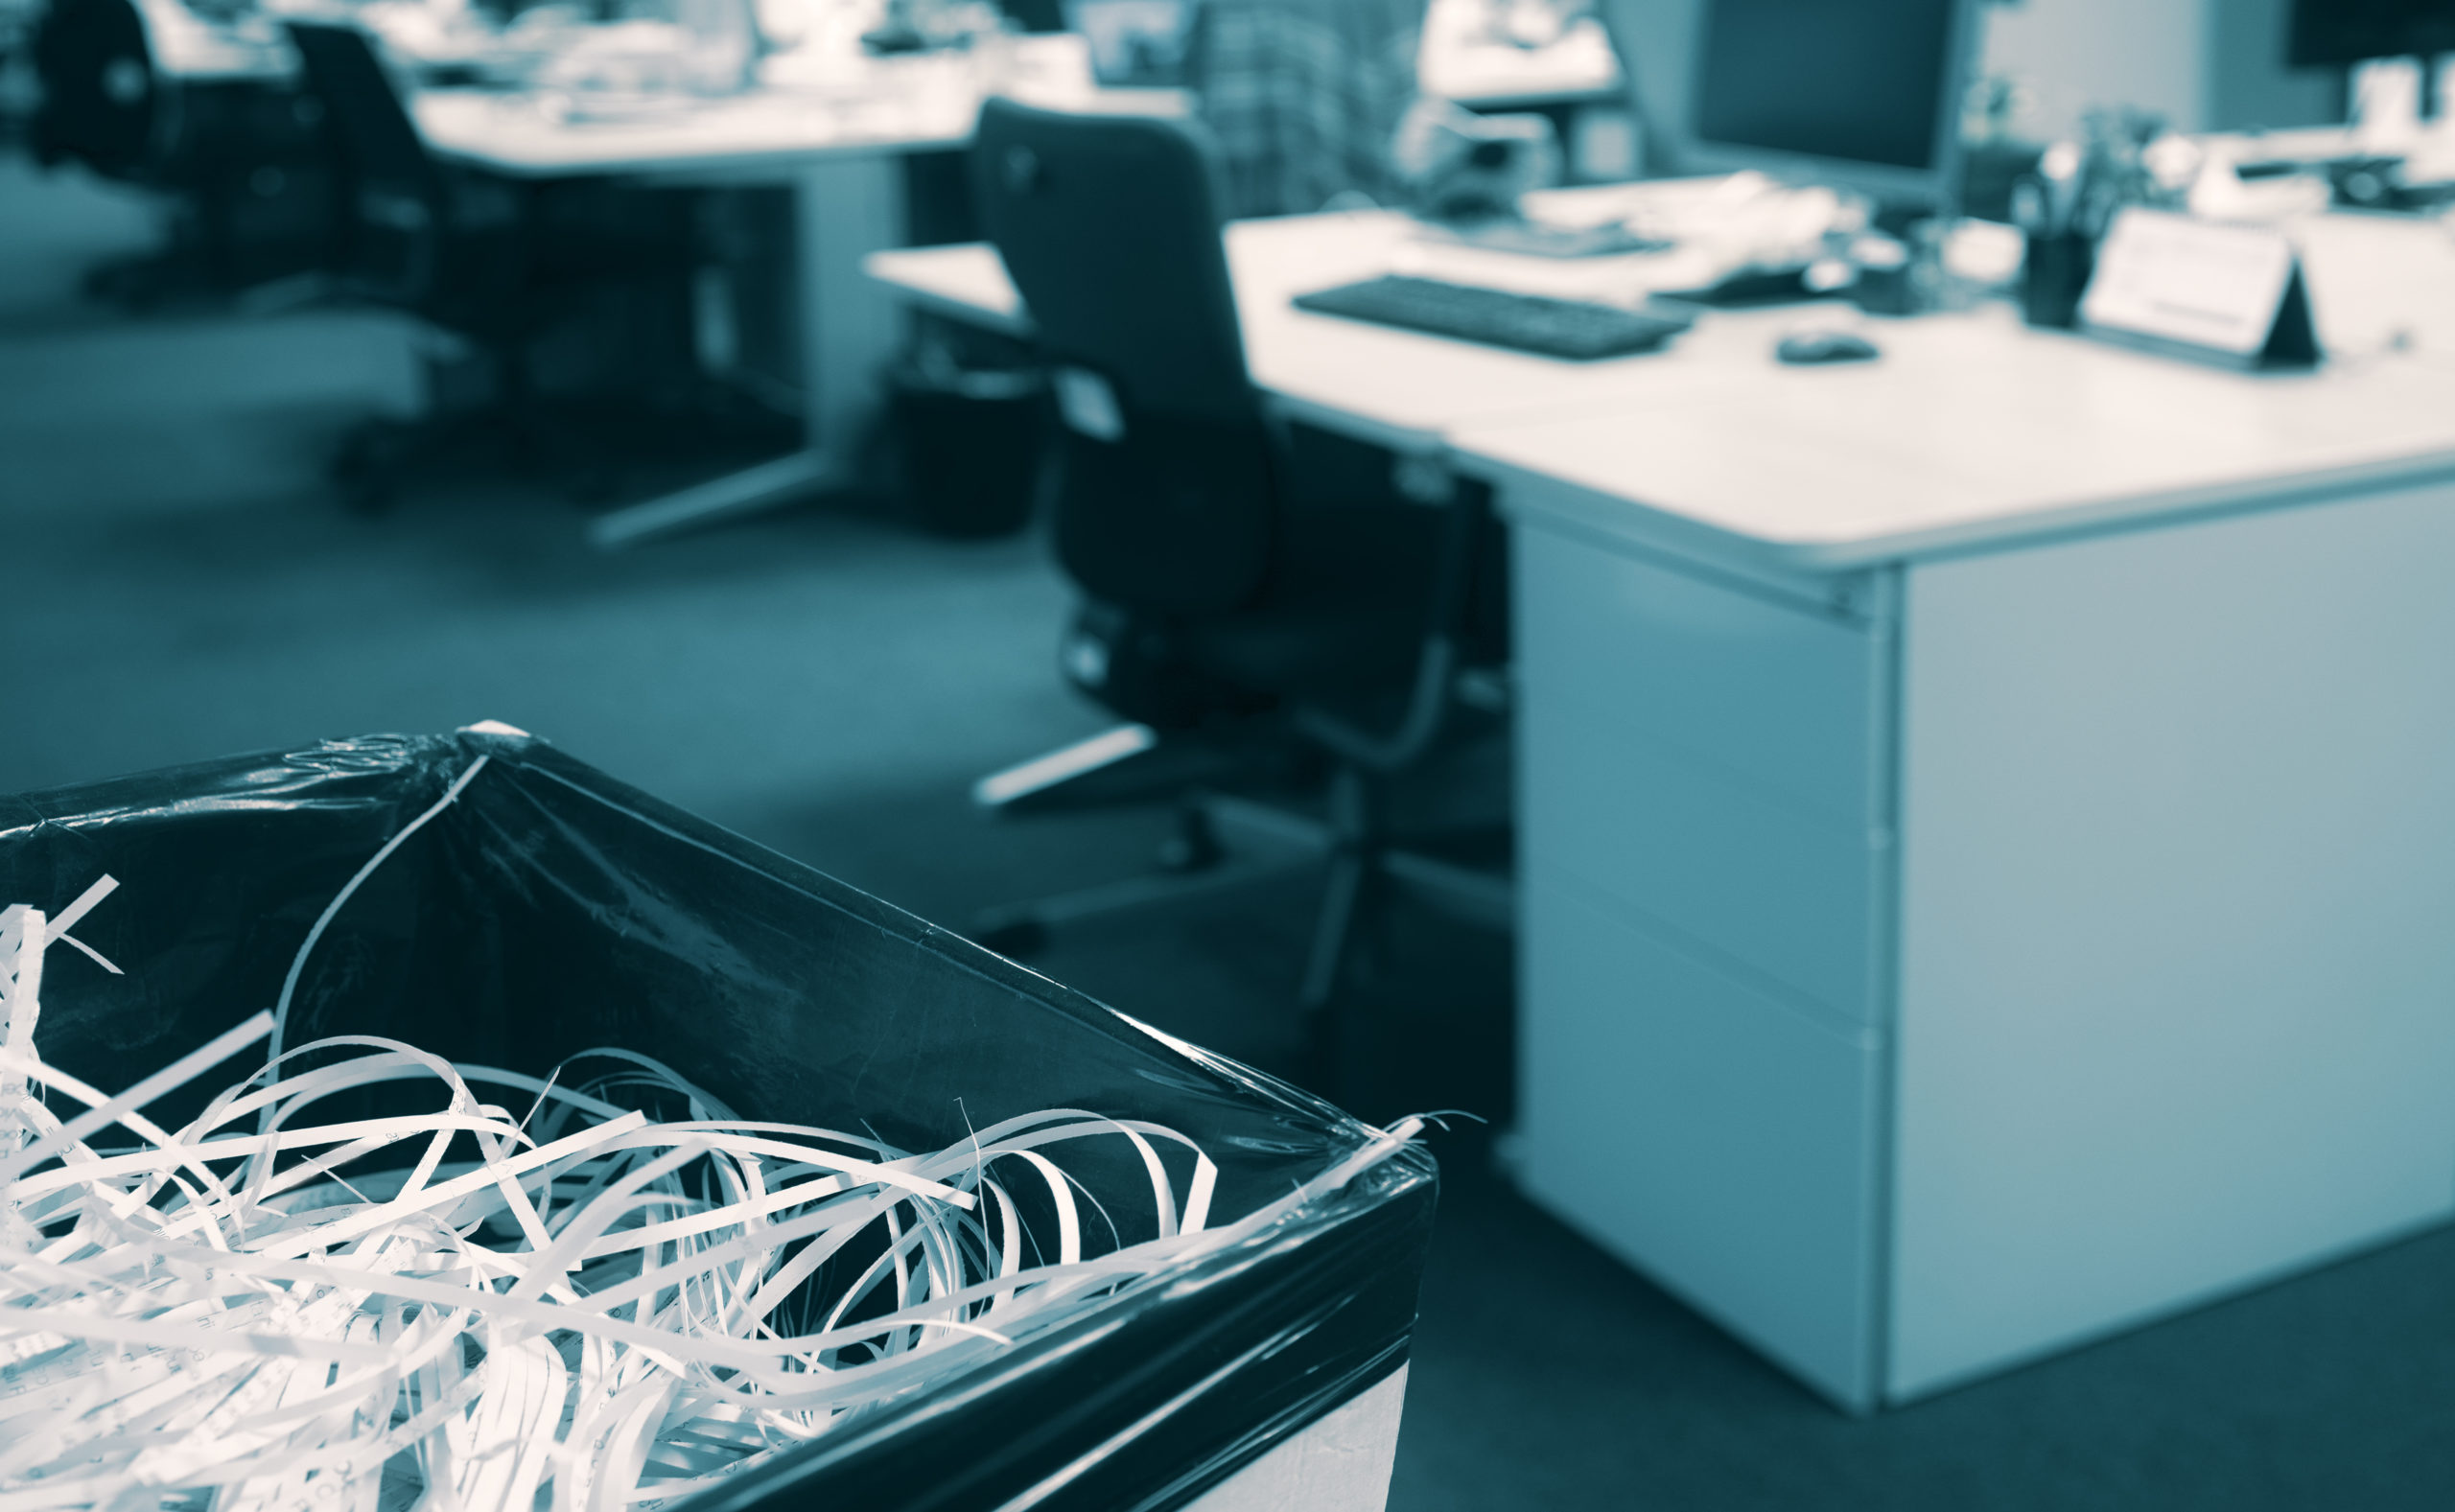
(1935, 187)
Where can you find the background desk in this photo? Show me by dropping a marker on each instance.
(1986, 824)
(840, 154)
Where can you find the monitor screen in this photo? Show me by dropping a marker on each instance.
(2353, 31)
(1857, 81)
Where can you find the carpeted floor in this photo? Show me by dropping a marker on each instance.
(176, 581)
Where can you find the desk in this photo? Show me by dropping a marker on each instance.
(1393, 387)
(1574, 81)
(1986, 851)
(1460, 59)
(839, 153)
(190, 49)
(1986, 831)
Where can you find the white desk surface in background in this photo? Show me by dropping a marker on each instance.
(520, 135)
(1461, 61)
(1399, 388)
(1969, 430)
(890, 105)
(188, 48)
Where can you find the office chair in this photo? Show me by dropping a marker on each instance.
(494, 260)
(1251, 616)
(104, 103)
(237, 160)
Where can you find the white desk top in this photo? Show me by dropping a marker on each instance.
(188, 47)
(528, 136)
(891, 104)
(1397, 388)
(1971, 429)
(1460, 61)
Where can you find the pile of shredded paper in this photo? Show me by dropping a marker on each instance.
(528, 1294)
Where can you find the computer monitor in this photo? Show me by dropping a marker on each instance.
(2339, 31)
(1861, 94)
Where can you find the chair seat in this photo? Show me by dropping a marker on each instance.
(1351, 587)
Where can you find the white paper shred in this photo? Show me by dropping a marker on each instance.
(534, 1296)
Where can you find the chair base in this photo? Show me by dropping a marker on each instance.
(1363, 870)
(595, 449)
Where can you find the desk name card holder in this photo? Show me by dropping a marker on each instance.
(2229, 294)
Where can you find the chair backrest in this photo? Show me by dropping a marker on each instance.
(393, 187)
(1166, 488)
(103, 101)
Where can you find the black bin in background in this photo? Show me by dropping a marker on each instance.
(550, 909)
(971, 437)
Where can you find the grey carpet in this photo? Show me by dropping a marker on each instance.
(176, 581)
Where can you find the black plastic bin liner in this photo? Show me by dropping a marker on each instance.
(550, 909)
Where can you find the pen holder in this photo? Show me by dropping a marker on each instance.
(2053, 277)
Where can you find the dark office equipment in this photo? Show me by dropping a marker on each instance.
(2380, 183)
(969, 435)
(2328, 33)
(1236, 603)
(1035, 15)
(1866, 94)
(1566, 328)
(239, 160)
(2054, 274)
(551, 908)
(104, 103)
(1817, 348)
(492, 259)
(1893, 277)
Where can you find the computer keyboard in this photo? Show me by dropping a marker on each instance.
(1526, 322)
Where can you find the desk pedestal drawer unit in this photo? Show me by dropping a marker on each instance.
(1936, 963)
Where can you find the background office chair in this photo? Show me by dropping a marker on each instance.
(1238, 602)
(494, 260)
(238, 161)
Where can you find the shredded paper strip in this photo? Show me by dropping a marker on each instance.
(537, 1297)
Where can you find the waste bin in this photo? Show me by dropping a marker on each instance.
(550, 909)
(970, 439)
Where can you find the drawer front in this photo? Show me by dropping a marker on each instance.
(1785, 898)
(1714, 1138)
(1776, 694)
(1703, 756)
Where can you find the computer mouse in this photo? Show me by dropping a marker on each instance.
(1804, 347)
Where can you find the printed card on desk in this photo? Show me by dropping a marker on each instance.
(2226, 293)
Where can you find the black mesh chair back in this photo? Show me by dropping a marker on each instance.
(396, 191)
(1166, 474)
(103, 101)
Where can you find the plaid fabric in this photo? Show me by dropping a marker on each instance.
(1304, 95)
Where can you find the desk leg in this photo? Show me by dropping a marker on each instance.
(845, 209)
